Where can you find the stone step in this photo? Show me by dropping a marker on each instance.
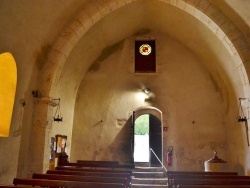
(145, 164)
(148, 174)
(148, 169)
(151, 177)
(148, 185)
(162, 181)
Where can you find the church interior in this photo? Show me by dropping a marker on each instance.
(73, 78)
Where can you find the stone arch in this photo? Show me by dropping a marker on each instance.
(158, 115)
(148, 110)
(228, 33)
(203, 10)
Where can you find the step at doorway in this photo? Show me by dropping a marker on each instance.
(153, 177)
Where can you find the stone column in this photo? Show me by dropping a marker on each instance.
(38, 137)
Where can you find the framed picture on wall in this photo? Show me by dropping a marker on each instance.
(61, 144)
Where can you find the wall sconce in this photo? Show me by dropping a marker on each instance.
(36, 94)
(242, 117)
(147, 91)
(57, 117)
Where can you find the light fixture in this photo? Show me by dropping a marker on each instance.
(147, 90)
(57, 117)
(36, 94)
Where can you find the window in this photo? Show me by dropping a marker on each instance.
(145, 56)
(8, 80)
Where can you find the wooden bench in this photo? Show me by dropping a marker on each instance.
(99, 179)
(213, 186)
(93, 170)
(201, 173)
(188, 176)
(63, 183)
(13, 186)
(82, 165)
(97, 162)
(173, 174)
(83, 173)
(176, 182)
(208, 176)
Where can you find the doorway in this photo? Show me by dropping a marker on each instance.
(147, 144)
(141, 139)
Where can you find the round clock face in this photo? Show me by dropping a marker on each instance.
(145, 49)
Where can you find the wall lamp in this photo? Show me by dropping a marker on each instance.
(36, 94)
(147, 90)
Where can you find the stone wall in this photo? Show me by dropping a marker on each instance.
(182, 89)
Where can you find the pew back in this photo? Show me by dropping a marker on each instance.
(112, 166)
(97, 162)
(83, 173)
(182, 174)
(63, 183)
(100, 179)
(213, 186)
(93, 170)
(176, 182)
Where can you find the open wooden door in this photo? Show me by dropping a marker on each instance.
(155, 140)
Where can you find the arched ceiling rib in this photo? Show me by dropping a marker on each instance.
(213, 20)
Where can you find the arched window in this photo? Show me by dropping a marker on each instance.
(8, 80)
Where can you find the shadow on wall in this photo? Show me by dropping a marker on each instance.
(240, 169)
(120, 148)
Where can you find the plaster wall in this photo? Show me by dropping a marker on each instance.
(29, 29)
(207, 53)
(182, 89)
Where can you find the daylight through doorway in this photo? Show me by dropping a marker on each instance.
(141, 139)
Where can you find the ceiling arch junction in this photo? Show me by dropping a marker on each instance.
(204, 11)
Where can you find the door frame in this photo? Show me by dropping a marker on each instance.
(147, 110)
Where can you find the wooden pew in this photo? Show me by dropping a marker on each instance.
(172, 174)
(188, 176)
(63, 183)
(213, 186)
(201, 173)
(180, 176)
(13, 186)
(93, 170)
(112, 166)
(176, 182)
(99, 179)
(97, 162)
(83, 173)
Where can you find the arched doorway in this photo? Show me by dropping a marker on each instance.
(152, 146)
(141, 139)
